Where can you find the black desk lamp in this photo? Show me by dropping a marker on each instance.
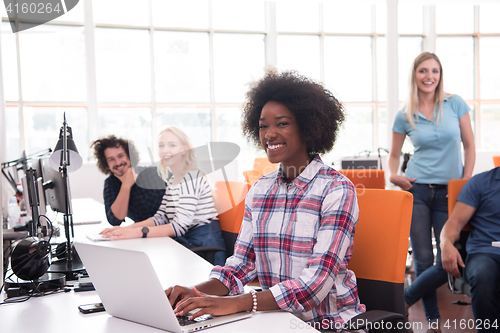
(65, 158)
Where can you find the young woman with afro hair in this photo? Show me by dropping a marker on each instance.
(298, 228)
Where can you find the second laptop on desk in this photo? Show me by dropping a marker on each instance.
(137, 295)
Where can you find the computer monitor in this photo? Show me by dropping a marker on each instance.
(36, 164)
(41, 196)
(360, 163)
(53, 184)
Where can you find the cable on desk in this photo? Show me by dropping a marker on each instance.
(29, 294)
(6, 300)
(50, 224)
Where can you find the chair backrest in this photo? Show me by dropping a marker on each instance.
(367, 178)
(251, 176)
(230, 202)
(496, 160)
(263, 165)
(454, 188)
(381, 246)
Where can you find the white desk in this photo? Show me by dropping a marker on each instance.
(59, 313)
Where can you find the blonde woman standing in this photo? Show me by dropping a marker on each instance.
(437, 124)
(187, 212)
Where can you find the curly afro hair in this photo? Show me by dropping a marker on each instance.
(317, 112)
(100, 145)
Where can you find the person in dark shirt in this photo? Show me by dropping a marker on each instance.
(477, 205)
(129, 191)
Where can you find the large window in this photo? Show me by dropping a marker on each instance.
(118, 68)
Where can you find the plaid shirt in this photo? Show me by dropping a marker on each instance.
(298, 240)
(145, 195)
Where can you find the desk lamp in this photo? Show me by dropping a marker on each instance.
(65, 158)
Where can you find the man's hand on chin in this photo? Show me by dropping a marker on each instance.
(128, 178)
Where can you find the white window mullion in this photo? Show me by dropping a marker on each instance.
(91, 72)
(477, 82)
(154, 129)
(22, 141)
(430, 29)
(3, 156)
(392, 62)
(375, 106)
(321, 43)
(272, 35)
(213, 113)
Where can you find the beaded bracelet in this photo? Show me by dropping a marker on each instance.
(254, 297)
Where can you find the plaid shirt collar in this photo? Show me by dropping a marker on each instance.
(305, 177)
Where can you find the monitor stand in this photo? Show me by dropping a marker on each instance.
(68, 268)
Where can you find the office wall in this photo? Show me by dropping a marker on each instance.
(87, 182)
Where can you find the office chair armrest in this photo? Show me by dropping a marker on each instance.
(204, 249)
(363, 320)
(207, 252)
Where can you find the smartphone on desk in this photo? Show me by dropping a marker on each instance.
(83, 286)
(91, 308)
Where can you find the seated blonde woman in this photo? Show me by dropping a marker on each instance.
(187, 212)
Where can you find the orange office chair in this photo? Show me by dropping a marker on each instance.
(365, 178)
(230, 204)
(251, 176)
(379, 254)
(454, 188)
(261, 166)
(459, 286)
(496, 160)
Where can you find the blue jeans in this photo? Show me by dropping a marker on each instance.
(205, 235)
(482, 270)
(430, 211)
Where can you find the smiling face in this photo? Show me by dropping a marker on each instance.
(171, 150)
(281, 138)
(117, 159)
(428, 76)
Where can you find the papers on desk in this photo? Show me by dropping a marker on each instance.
(96, 237)
(497, 244)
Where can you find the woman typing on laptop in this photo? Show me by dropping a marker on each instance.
(187, 212)
(298, 229)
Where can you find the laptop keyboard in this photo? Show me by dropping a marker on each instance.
(184, 320)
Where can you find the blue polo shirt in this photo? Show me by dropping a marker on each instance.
(438, 151)
(483, 193)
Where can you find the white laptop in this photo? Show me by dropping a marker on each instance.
(136, 294)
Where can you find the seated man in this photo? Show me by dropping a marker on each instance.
(127, 193)
(478, 203)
